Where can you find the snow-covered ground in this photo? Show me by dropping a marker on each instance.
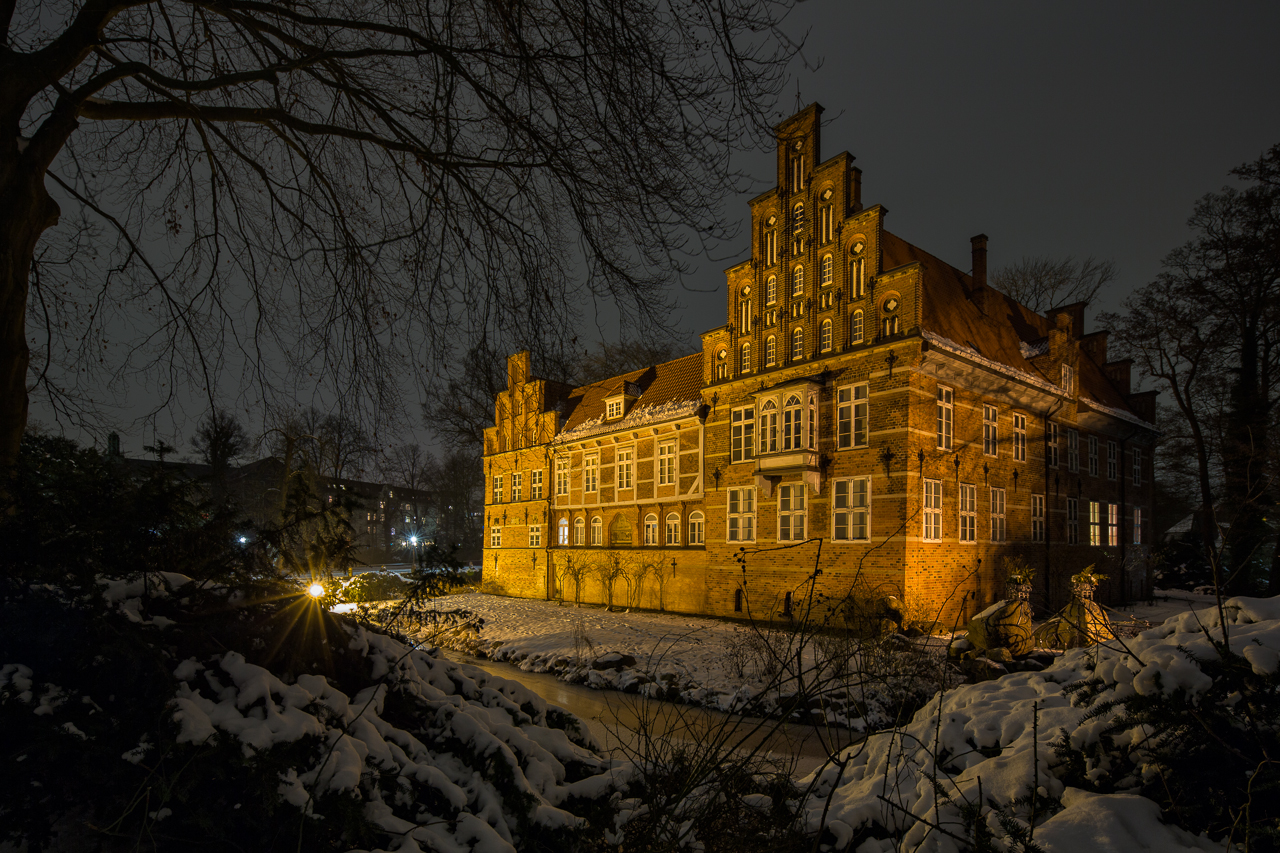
(991, 743)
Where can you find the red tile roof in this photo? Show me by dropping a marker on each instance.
(999, 334)
(678, 381)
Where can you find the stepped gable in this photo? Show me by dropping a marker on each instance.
(673, 382)
(1006, 333)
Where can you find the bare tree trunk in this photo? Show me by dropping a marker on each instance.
(28, 211)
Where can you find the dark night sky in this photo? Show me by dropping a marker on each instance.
(1057, 129)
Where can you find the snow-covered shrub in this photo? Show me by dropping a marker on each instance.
(372, 586)
(141, 708)
(978, 764)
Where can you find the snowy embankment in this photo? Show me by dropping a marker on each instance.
(991, 746)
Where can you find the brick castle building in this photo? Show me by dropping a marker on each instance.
(867, 410)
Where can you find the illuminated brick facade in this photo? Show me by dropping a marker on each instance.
(868, 410)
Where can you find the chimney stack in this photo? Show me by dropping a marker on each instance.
(979, 245)
(856, 191)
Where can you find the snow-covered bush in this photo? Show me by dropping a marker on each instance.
(978, 767)
(372, 586)
(143, 708)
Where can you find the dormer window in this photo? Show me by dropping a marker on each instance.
(613, 409)
(1068, 379)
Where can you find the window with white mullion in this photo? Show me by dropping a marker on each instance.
(791, 512)
(997, 515)
(968, 510)
(946, 417)
(851, 514)
(932, 511)
(742, 515)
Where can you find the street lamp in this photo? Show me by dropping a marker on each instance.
(315, 590)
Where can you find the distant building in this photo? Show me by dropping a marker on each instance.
(867, 410)
(385, 517)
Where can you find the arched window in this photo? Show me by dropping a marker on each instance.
(792, 417)
(855, 327)
(857, 279)
(797, 218)
(651, 529)
(744, 311)
(563, 538)
(746, 357)
(673, 529)
(771, 289)
(797, 343)
(813, 422)
(828, 267)
(824, 337)
(722, 366)
(891, 326)
(695, 528)
(797, 281)
(771, 351)
(597, 531)
(769, 427)
(579, 532)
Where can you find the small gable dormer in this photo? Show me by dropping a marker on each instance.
(618, 404)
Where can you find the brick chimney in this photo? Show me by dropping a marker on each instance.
(980, 294)
(855, 192)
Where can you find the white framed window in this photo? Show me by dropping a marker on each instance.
(535, 484)
(1068, 379)
(797, 281)
(968, 512)
(517, 486)
(990, 422)
(673, 529)
(771, 289)
(745, 366)
(1019, 437)
(1037, 518)
(1095, 523)
(813, 421)
(495, 537)
(1137, 525)
(998, 532)
(1093, 456)
(497, 488)
(742, 434)
(827, 270)
(797, 343)
(932, 511)
(667, 463)
(613, 410)
(579, 531)
(535, 535)
(651, 529)
(697, 528)
(855, 327)
(851, 515)
(1073, 451)
(563, 530)
(626, 467)
(853, 414)
(1113, 524)
(768, 427)
(1051, 439)
(1073, 521)
(597, 531)
(590, 473)
(1113, 460)
(791, 512)
(742, 515)
(771, 351)
(562, 476)
(1137, 466)
(792, 423)
(946, 417)
(824, 336)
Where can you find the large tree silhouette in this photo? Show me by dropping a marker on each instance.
(332, 194)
